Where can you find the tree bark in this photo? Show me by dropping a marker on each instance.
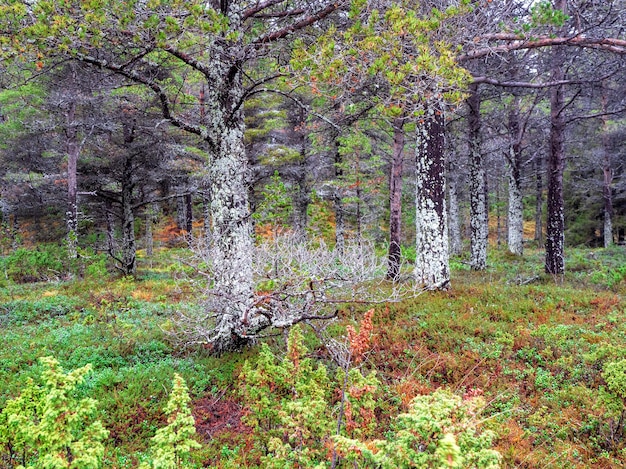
(432, 260)
(555, 229)
(338, 200)
(206, 214)
(129, 247)
(478, 187)
(301, 198)
(73, 149)
(538, 199)
(110, 227)
(456, 242)
(188, 214)
(607, 173)
(395, 200)
(515, 227)
(231, 249)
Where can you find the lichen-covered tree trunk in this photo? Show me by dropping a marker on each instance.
(538, 160)
(395, 200)
(188, 213)
(231, 248)
(340, 229)
(129, 246)
(515, 231)
(555, 229)
(206, 215)
(456, 242)
(478, 187)
(432, 259)
(607, 173)
(515, 227)
(73, 149)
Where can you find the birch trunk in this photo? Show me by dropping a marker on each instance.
(478, 187)
(432, 260)
(395, 200)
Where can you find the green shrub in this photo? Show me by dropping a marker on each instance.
(48, 427)
(440, 430)
(287, 405)
(33, 265)
(172, 444)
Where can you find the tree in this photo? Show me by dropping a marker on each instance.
(200, 42)
(399, 57)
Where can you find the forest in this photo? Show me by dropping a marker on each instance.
(312, 234)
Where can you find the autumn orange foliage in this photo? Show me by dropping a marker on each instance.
(360, 342)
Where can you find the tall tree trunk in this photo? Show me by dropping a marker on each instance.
(456, 242)
(338, 200)
(432, 260)
(301, 197)
(73, 149)
(538, 199)
(129, 247)
(478, 187)
(515, 231)
(151, 214)
(188, 214)
(607, 172)
(231, 248)
(555, 229)
(206, 214)
(181, 216)
(395, 200)
(110, 227)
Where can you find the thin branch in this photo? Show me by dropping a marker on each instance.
(258, 8)
(617, 46)
(281, 14)
(287, 30)
(166, 105)
(595, 116)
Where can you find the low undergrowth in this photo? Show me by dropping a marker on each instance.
(540, 359)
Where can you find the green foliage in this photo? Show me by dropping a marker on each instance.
(276, 206)
(171, 445)
(406, 51)
(287, 404)
(25, 265)
(50, 262)
(440, 430)
(543, 13)
(615, 377)
(48, 427)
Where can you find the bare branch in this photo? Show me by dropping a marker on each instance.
(515, 42)
(309, 20)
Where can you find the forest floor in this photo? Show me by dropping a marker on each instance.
(534, 346)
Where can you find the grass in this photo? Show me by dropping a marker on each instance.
(534, 345)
